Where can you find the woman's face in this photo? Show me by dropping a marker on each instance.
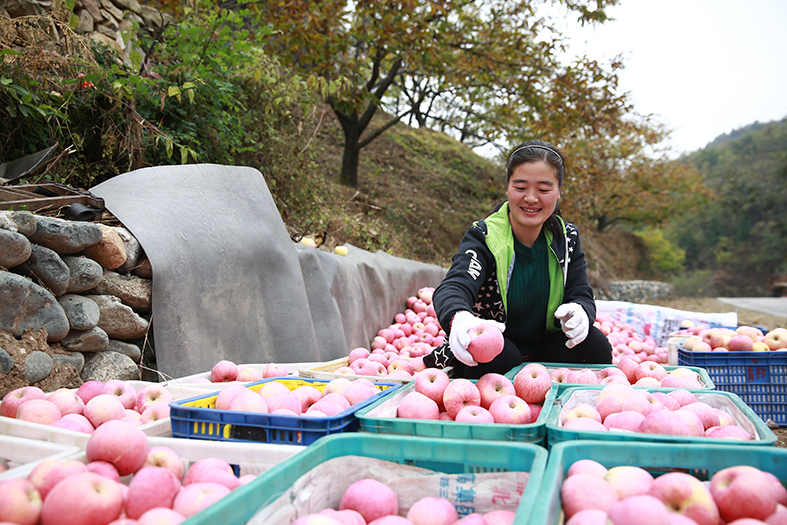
(533, 192)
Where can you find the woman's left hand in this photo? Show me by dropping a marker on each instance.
(574, 323)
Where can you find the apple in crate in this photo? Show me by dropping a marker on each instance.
(510, 410)
(38, 411)
(586, 491)
(685, 494)
(532, 383)
(491, 386)
(743, 492)
(125, 393)
(197, 496)
(224, 371)
(486, 342)
(69, 402)
(103, 468)
(90, 389)
(151, 487)
(641, 508)
(157, 516)
(458, 394)
(776, 339)
(474, 414)
(415, 405)
(84, 498)
(165, 457)
(151, 394)
(20, 502)
(120, 443)
(11, 402)
(371, 499)
(432, 510)
(432, 383)
(50, 472)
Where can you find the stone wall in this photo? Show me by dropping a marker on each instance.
(86, 285)
(635, 291)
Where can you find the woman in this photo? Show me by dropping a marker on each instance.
(522, 270)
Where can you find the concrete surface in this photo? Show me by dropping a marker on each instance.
(768, 305)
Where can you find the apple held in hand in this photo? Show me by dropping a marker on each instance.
(486, 342)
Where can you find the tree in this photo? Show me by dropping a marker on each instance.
(459, 64)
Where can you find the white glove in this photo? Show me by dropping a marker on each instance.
(462, 323)
(574, 323)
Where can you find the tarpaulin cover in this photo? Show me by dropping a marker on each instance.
(229, 283)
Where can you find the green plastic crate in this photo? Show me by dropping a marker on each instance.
(701, 461)
(197, 418)
(705, 379)
(759, 378)
(557, 434)
(370, 419)
(441, 455)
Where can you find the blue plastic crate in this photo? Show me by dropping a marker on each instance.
(557, 434)
(371, 420)
(701, 461)
(705, 380)
(759, 378)
(447, 456)
(197, 418)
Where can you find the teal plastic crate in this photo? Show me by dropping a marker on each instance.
(705, 379)
(745, 416)
(372, 419)
(197, 418)
(759, 378)
(441, 455)
(701, 461)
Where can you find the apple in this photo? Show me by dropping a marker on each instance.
(586, 491)
(741, 343)
(344, 517)
(629, 480)
(357, 353)
(11, 402)
(336, 385)
(493, 385)
(581, 410)
(415, 405)
(683, 397)
(588, 517)
(370, 498)
(671, 381)
(90, 389)
(155, 412)
(68, 401)
(474, 414)
(272, 388)
(160, 516)
(286, 400)
(308, 396)
(323, 408)
(641, 508)
(472, 519)
(165, 457)
(728, 432)
(559, 375)
(532, 384)
(642, 402)
(743, 492)
(664, 421)
(432, 383)
(338, 399)
(359, 392)
(685, 494)
(151, 394)
(390, 520)
(205, 464)
(432, 511)
(39, 411)
(50, 472)
(583, 376)
(120, 443)
(379, 358)
(499, 517)
(629, 367)
(706, 413)
(760, 346)
(776, 339)
(701, 346)
(650, 369)
(669, 402)
(125, 393)
(223, 372)
(197, 496)
(690, 341)
(84, 498)
(585, 423)
(248, 373)
(218, 475)
(587, 466)
(103, 468)
(725, 418)
(20, 502)
(693, 421)
(624, 420)
(151, 487)
(458, 394)
(84, 423)
(401, 364)
(609, 405)
(486, 342)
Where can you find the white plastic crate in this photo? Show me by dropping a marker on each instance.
(20, 455)
(186, 381)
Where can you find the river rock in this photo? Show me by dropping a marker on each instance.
(26, 222)
(85, 341)
(143, 268)
(132, 290)
(106, 366)
(109, 251)
(6, 362)
(46, 265)
(14, 248)
(133, 249)
(24, 304)
(38, 365)
(82, 312)
(75, 359)
(118, 320)
(65, 237)
(128, 349)
(84, 273)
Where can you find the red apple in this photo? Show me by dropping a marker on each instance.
(83, 498)
(664, 421)
(151, 487)
(224, 371)
(743, 492)
(432, 383)
(286, 400)
(587, 466)
(624, 420)
(586, 491)
(370, 498)
(156, 412)
(126, 394)
(491, 386)
(486, 342)
(228, 393)
(90, 389)
(20, 502)
(205, 464)
(511, 410)
(706, 413)
(532, 384)
(641, 508)
(728, 432)
(11, 402)
(415, 405)
(458, 394)
(474, 414)
(197, 496)
(151, 394)
(38, 411)
(159, 516)
(103, 468)
(50, 472)
(685, 494)
(432, 511)
(165, 457)
(119, 443)
(67, 401)
(248, 374)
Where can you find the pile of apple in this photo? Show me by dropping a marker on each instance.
(742, 339)
(675, 413)
(275, 397)
(370, 502)
(492, 399)
(226, 371)
(93, 404)
(628, 371)
(625, 341)
(70, 492)
(626, 494)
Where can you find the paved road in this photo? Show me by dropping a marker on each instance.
(768, 305)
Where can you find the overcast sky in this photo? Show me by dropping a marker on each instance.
(704, 67)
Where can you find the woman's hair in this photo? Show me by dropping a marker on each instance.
(540, 151)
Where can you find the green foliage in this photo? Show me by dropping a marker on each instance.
(697, 283)
(664, 257)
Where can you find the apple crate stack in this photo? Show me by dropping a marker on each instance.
(747, 361)
(645, 482)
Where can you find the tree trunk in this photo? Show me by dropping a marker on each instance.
(350, 160)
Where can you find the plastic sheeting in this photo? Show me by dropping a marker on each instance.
(229, 283)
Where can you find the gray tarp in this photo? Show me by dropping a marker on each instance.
(229, 283)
